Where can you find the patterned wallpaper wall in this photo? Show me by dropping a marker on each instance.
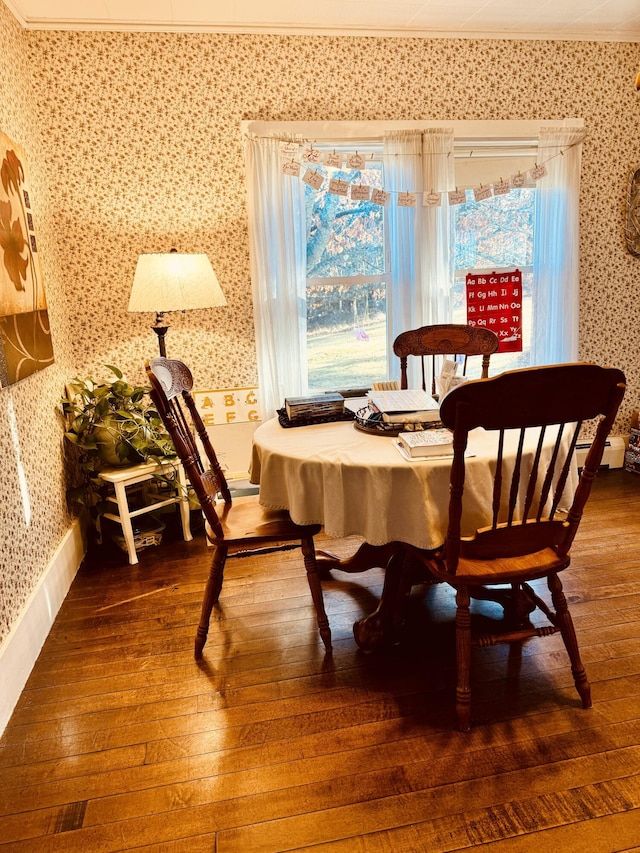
(139, 146)
(33, 512)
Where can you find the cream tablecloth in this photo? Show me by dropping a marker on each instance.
(358, 484)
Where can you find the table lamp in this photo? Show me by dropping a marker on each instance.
(172, 281)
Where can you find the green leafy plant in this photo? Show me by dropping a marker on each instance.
(111, 423)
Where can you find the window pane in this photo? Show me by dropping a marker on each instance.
(346, 320)
(497, 232)
(344, 237)
(346, 335)
(490, 235)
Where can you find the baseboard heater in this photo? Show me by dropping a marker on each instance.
(613, 456)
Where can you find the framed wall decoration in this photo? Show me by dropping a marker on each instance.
(25, 335)
(632, 229)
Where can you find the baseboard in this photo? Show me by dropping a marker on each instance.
(20, 649)
(613, 456)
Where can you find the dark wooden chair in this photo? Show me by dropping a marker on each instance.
(531, 535)
(232, 526)
(441, 340)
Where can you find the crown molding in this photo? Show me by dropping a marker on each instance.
(89, 25)
(16, 13)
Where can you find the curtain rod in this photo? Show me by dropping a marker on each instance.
(362, 130)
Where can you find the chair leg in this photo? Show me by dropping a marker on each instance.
(313, 576)
(463, 658)
(565, 623)
(211, 596)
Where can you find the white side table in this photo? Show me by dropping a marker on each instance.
(122, 478)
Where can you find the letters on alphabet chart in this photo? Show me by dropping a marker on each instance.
(495, 302)
(227, 406)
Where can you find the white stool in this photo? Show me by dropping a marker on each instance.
(122, 478)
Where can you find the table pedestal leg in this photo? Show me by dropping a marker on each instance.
(515, 602)
(381, 627)
(365, 558)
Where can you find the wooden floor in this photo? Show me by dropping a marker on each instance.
(121, 742)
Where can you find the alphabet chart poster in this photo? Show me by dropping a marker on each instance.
(231, 417)
(227, 405)
(495, 302)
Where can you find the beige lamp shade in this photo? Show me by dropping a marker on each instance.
(174, 282)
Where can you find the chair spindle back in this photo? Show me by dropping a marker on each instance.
(526, 504)
(171, 385)
(440, 340)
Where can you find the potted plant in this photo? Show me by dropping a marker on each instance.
(111, 423)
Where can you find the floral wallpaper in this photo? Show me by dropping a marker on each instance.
(137, 141)
(33, 511)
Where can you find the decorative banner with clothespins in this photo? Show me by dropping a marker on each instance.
(495, 302)
(295, 155)
(406, 199)
(379, 197)
(457, 196)
(431, 199)
(313, 178)
(482, 192)
(338, 187)
(360, 192)
(311, 154)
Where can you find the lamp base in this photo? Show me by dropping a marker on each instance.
(161, 331)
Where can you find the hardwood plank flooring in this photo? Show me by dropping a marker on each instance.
(121, 742)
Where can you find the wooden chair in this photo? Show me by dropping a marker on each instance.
(445, 339)
(231, 526)
(530, 536)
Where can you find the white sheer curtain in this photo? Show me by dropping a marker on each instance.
(437, 263)
(417, 161)
(402, 164)
(277, 247)
(556, 281)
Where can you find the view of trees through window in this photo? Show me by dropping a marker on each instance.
(491, 235)
(347, 274)
(346, 285)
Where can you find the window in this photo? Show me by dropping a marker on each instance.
(491, 236)
(348, 266)
(335, 280)
(346, 284)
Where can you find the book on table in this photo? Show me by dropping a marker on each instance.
(428, 442)
(314, 406)
(406, 405)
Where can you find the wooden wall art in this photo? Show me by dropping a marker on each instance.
(25, 335)
(632, 226)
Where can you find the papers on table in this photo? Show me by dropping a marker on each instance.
(410, 400)
(406, 406)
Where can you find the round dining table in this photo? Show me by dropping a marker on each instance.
(355, 483)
